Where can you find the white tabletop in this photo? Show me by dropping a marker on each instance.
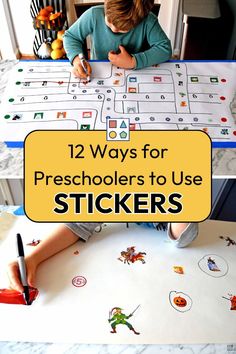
(11, 159)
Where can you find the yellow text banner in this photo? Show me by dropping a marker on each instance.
(78, 176)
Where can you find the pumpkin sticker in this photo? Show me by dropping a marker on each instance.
(180, 301)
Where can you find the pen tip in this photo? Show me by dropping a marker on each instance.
(28, 302)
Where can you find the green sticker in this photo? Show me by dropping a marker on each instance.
(85, 127)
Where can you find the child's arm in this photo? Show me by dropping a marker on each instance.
(62, 237)
(58, 240)
(74, 41)
(160, 48)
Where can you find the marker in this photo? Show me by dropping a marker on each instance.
(22, 268)
(83, 63)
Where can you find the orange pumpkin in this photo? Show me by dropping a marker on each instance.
(60, 34)
(42, 18)
(180, 301)
(43, 12)
(49, 8)
(54, 16)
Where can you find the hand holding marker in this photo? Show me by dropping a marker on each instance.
(22, 268)
(84, 65)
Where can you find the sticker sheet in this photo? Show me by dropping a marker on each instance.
(128, 286)
(173, 95)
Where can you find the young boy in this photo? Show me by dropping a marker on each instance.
(125, 32)
(181, 234)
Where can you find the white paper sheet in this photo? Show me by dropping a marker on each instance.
(66, 313)
(177, 95)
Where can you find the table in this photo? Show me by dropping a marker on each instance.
(11, 159)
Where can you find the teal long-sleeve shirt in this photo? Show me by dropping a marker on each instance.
(147, 42)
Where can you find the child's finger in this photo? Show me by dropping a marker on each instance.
(14, 277)
(78, 71)
(113, 60)
(122, 49)
(81, 72)
(112, 55)
(75, 72)
(31, 279)
(89, 69)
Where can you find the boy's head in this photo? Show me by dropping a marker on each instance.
(123, 15)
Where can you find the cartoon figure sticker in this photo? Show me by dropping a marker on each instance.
(213, 265)
(116, 317)
(33, 242)
(180, 301)
(130, 255)
(228, 240)
(232, 299)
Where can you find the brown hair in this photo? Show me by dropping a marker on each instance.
(126, 14)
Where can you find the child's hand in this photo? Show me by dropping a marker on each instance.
(78, 69)
(123, 59)
(14, 275)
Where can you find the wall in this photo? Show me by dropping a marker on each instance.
(24, 31)
(11, 191)
(8, 44)
(232, 45)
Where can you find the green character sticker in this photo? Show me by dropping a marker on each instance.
(116, 317)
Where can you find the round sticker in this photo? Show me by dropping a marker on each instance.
(79, 281)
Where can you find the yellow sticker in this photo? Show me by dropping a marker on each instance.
(178, 269)
(112, 135)
(155, 176)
